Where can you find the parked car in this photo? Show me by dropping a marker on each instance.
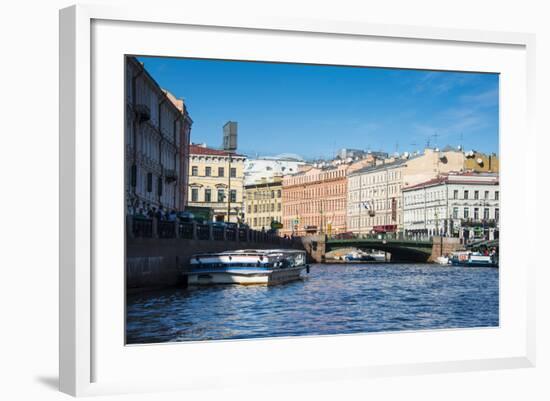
(186, 217)
(218, 224)
(346, 235)
(231, 225)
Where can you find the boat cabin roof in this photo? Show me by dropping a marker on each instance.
(249, 252)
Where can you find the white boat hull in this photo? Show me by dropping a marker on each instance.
(244, 277)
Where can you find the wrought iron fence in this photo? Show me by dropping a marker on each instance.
(217, 233)
(142, 227)
(185, 230)
(242, 235)
(166, 229)
(203, 231)
(231, 234)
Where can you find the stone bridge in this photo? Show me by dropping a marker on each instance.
(401, 250)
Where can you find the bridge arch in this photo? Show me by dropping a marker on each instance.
(400, 250)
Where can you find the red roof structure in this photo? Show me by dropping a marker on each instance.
(203, 150)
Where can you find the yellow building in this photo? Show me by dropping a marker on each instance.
(216, 181)
(263, 203)
(481, 162)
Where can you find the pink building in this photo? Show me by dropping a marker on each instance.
(314, 200)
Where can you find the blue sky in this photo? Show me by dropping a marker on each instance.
(315, 110)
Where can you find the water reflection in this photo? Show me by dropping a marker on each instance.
(333, 299)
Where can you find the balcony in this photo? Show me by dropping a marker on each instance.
(170, 175)
(490, 223)
(142, 112)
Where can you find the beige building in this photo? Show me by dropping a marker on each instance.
(216, 181)
(374, 196)
(481, 162)
(263, 204)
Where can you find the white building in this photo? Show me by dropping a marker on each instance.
(265, 169)
(375, 203)
(464, 205)
(156, 143)
(374, 198)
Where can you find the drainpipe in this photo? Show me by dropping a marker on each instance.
(176, 167)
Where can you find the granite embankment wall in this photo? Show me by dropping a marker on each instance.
(157, 253)
(158, 263)
(442, 246)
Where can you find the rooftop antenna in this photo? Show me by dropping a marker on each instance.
(428, 142)
(396, 146)
(461, 139)
(436, 135)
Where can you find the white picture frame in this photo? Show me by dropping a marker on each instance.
(84, 336)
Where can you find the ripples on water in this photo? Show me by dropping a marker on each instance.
(332, 299)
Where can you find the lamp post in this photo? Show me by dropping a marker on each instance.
(229, 190)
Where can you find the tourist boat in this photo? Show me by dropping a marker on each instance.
(473, 259)
(256, 266)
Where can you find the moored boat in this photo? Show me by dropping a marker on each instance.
(443, 260)
(473, 259)
(269, 266)
(357, 257)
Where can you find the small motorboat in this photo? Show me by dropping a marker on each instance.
(443, 260)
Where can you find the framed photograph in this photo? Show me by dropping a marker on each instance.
(289, 200)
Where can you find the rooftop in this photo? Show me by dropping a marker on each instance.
(381, 166)
(458, 178)
(196, 149)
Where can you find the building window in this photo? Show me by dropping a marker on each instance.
(272, 194)
(486, 195)
(255, 221)
(278, 207)
(194, 171)
(466, 213)
(272, 207)
(497, 214)
(465, 194)
(486, 213)
(194, 194)
(476, 213)
(208, 195)
(278, 193)
(255, 208)
(496, 195)
(221, 172)
(249, 209)
(208, 171)
(149, 182)
(233, 172)
(455, 213)
(221, 195)
(476, 194)
(233, 195)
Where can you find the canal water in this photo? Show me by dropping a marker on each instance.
(332, 299)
